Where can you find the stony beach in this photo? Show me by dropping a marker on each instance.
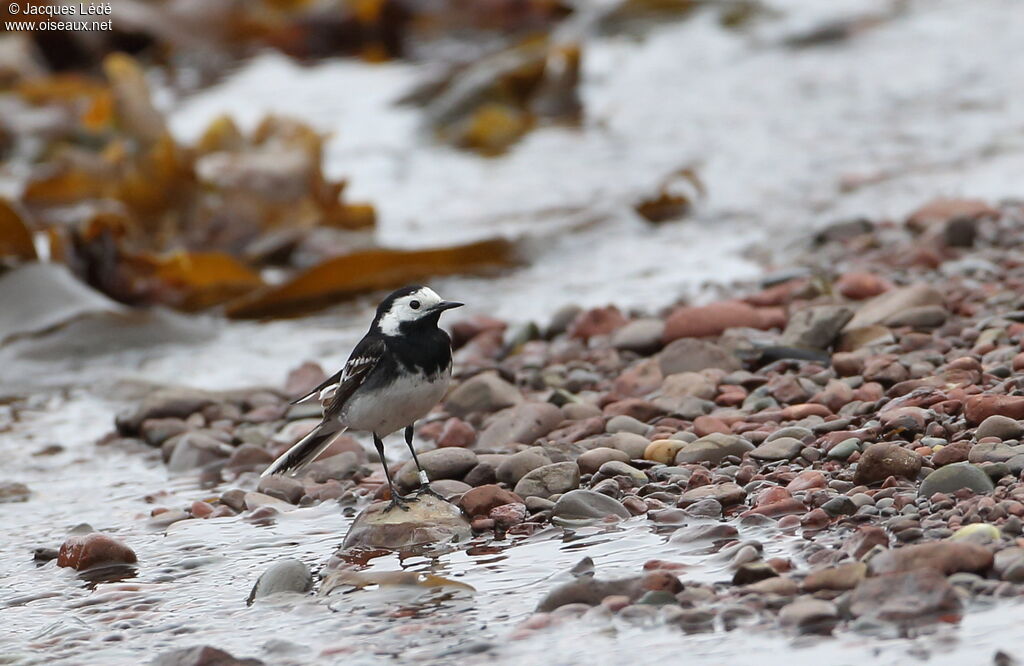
(859, 411)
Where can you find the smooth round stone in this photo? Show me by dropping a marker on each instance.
(428, 520)
(781, 448)
(863, 499)
(977, 532)
(549, 480)
(796, 432)
(283, 576)
(586, 504)
(590, 461)
(617, 468)
(840, 505)
(844, 449)
(999, 426)
(663, 451)
(624, 423)
(952, 478)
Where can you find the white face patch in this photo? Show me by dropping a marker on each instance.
(408, 308)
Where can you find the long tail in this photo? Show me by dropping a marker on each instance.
(306, 450)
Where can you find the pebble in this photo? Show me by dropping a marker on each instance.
(201, 655)
(485, 392)
(882, 460)
(429, 520)
(13, 491)
(586, 504)
(85, 551)
(781, 448)
(643, 336)
(980, 533)
(951, 478)
(904, 597)
(446, 463)
(549, 480)
(592, 460)
(810, 616)
(713, 448)
(282, 487)
(627, 424)
(518, 465)
(944, 556)
(844, 449)
(523, 423)
(689, 355)
(725, 494)
(288, 575)
(999, 426)
(840, 577)
(479, 501)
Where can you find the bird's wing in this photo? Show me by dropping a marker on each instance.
(363, 359)
(325, 388)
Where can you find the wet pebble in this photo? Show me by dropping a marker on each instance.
(954, 477)
(586, 504)
(288, 575)
(85, 551)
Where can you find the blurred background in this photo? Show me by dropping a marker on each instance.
(196, 175)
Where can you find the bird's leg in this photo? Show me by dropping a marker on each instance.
(424, 479)
(396, 498)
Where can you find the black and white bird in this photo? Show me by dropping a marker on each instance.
(394, 376)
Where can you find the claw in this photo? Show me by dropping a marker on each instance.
(397, 501)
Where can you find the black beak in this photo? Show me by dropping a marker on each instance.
(446, 305)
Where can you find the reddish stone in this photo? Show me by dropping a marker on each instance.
(945, 556)
(806, 480)
(304, 379)
(815, 520)
(641, 410)
(910, 419)
(705, 425)
(847, 364)
(465, 330)
(1018, 362)
(507, 515)
(942, 210)
(598, 321)
(480, 500)
(711, 320)
(456, 432)
(782, 508)
(85, 551)
(864, 539)
(780, 294)
(980, 407)
(797, 412)
(835, 395)
(771, 496)
(858, 286)
(639, 379)
(201, 509)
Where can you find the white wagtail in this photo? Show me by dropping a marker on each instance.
(394, 376)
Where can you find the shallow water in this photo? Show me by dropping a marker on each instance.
(922, 104)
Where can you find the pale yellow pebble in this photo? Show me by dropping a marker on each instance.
(663, 451)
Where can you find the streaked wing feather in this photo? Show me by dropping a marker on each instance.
(330, 381)
(361, 363)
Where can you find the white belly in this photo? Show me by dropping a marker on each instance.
(406, 400)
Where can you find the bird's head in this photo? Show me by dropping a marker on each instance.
(408, 308)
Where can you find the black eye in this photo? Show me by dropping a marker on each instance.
(415, 305)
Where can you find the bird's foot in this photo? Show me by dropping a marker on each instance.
(425, 489)
(398, 501)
